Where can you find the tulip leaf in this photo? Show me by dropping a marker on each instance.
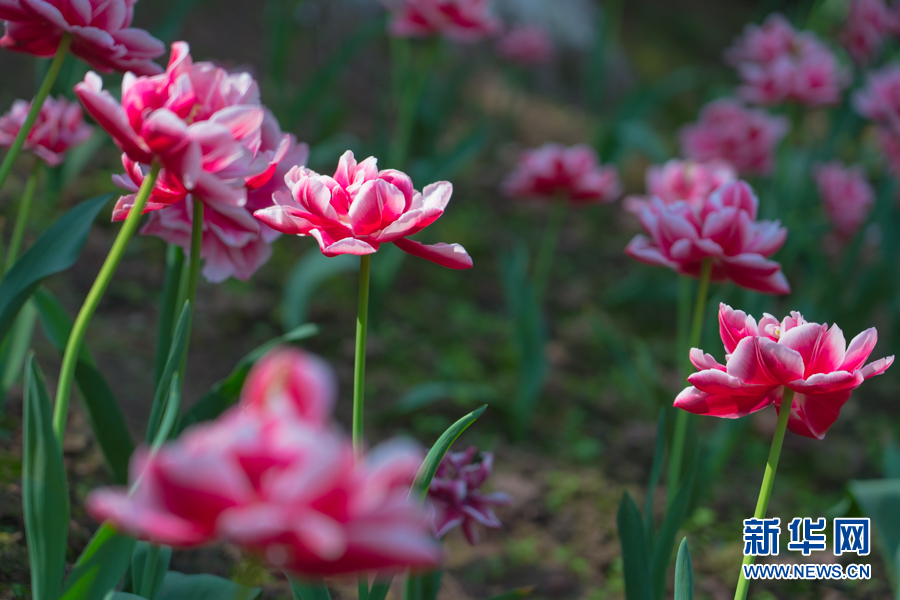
(168, 300)
(433, 459)
(430, 392)
(305, 277)
(178, 586)
(103, 411)
(684, 573)
(521, 592)
(170, 414)
(878, 499)
(661, 553)
(56, 250)
(100, 567)
(380, 588)
(227, 391)
(149, 568)
(15, 347)
(122, 596)
(423, 586)
(176, 353)
(891, 460)
(309, 590)
(45, 492)
(655, 472)
(635, 556)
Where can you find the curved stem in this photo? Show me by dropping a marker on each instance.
(73, 347)
(765, 490)
(22, 217)
(36, 106)
(359, 363)
(543, 262)
(682, 417)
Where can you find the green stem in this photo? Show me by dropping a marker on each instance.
(36, 106)
(73, 347)
(22, 217)
(544, 260)
(188, 291)
(359, 365)
(765, 490)
(409, 83)
(682, 417)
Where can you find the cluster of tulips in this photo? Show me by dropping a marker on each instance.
(220, 181)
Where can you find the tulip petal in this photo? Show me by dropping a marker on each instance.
(734, 325)
(452, 256)
(859, 350)
(877, 367)
(728, 406)
(704, 361)
(811, 416)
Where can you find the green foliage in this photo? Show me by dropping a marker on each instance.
(15, 347)
(684, 573)
(178, 586)
(436, 454)
(175, 358)
(100, 567)
(307, 274)
(149, 569)
(45, 491)
(878, 499)
(309, 590)
(635, 554)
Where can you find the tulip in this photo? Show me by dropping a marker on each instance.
(361, 208)
(879, 100)
(889, 140)
(777, 64)
(100, 30)
(555, 171)
(744, 137)
(682, 181)
(455, 496)
(869, 24)
(459, 20)
(59, 127)
(722, 232)
(846, 196)
(526, 45)
(272, 476)
(764, 360)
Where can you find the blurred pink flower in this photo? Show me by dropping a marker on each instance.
(727, 130)
(361, 208)
(682, 181)
(761, 361)
(59, 126)
(526, 45)
(723, 229)
(889, 140)
(573, 173)
(777, 64)
(846, 195)
(460, 20)
(869, 24)
(101, 32)
(879, 100)
(234, 243)
(455, 497)
(276, 480)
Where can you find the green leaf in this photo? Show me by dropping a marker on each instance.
(655, 472)
(662, 550)
(635, 557)
(167, 301)
(176, 353)
(56, 250)
(878, 499)
(684, 573)
(103, 411)
(430, 392)
(436, 454)
(170, 416)
(891, 460)
(423, 586)
(521, 592)
(149, 568)
(309, 590)
(100, 567)
(380, 588)
(178, 586)
(45, 491)
(15, 347)
(122, 596)
(226, 392)
(305, 277)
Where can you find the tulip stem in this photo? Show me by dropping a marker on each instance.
(544, 260)
(73, 346)
(188, 289)
(409, 82)
(682, 417)
(765, 491)
(22, 217)
(36, 106)
(359, 366)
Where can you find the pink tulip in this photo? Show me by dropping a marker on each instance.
(455, 496)
(889, 140)
(361, 208)
(879, 100)
(869, 24)
(554, 171)
(812, 360)
(272, 477)
(777, 64)
(723, 229)
(526, 45)
(846, 195)
(727, 130)
(203, 125)
(59, 127)
(100, 29)
(682, 181)
(460, 20)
